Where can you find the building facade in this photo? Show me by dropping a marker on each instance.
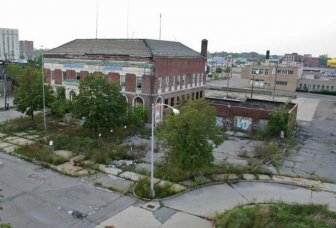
(270, 76)
(293, 57)
(26, 49)
(9, 44)
(148, 71)
(311, 84)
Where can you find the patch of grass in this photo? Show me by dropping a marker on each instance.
(175, 174)
(199, 180)
(41, 153)
(142, 189)
(267, 152)
(27, 123)
(277, 215)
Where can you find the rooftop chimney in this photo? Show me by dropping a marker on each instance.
(204, 48)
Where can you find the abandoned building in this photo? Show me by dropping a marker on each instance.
(148, 71)
(249, 115)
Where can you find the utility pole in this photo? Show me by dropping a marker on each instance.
(275, 78)
(97, 21)
(44, 109)
(160, 26)
(4, 76)
(228, 81)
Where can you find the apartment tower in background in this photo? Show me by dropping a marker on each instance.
(9, 44)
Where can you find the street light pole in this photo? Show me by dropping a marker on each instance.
(176, 112)
(252, 85)
(152, 153)
(275, 78)
(228, 82)
(44, 110)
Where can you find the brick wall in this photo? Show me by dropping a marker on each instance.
(147, 84)
(70, 75)
(130, 83)
(114, 77)
(83, 75)
(58, 77)
(47, 76)
(231, 112)
(174, 67)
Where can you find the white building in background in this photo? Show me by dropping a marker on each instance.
(9, 44)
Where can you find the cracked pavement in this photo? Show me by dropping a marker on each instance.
(315, 156)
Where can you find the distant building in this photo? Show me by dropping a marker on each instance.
(148, 71)
(312, 84)
(26, 49)
(264, 76)
(309, 61)
(9, 44)
(294, 57)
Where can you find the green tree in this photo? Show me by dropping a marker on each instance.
(137, 116)
(323, 60)
(14, 70)
(35, 62)
(61, 105)
(100, 103)
(278, 121)
(28, 94)
(189, 138)
(219, 70)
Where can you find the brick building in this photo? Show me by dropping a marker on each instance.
(247, 116)
(309, 61)
(148, 71)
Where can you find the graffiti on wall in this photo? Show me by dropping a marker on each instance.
(219, 121)
(227, 124)
(243, 123)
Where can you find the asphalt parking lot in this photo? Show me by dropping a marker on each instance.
(37, 197)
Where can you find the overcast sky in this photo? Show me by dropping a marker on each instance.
(307, 26)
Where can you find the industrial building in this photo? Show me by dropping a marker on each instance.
(248, 115)
(148, 71)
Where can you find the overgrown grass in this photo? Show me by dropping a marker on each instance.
(175, 174)
(27, 123)
(277, 215)
(41, 153)
(142, 189)
(266, 152)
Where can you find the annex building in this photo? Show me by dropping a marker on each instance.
(148, 71)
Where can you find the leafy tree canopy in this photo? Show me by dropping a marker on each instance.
(28, 95)
(61, 105)
(100, 103)
(189, 138)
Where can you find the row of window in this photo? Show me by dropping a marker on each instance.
(180, 80)
(182, 98)
(197, 79)
(261, 83)
(317, 87)
(256, 71)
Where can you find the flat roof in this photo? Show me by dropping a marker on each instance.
(249, 103)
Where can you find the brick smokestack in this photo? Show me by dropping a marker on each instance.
(204, 48)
